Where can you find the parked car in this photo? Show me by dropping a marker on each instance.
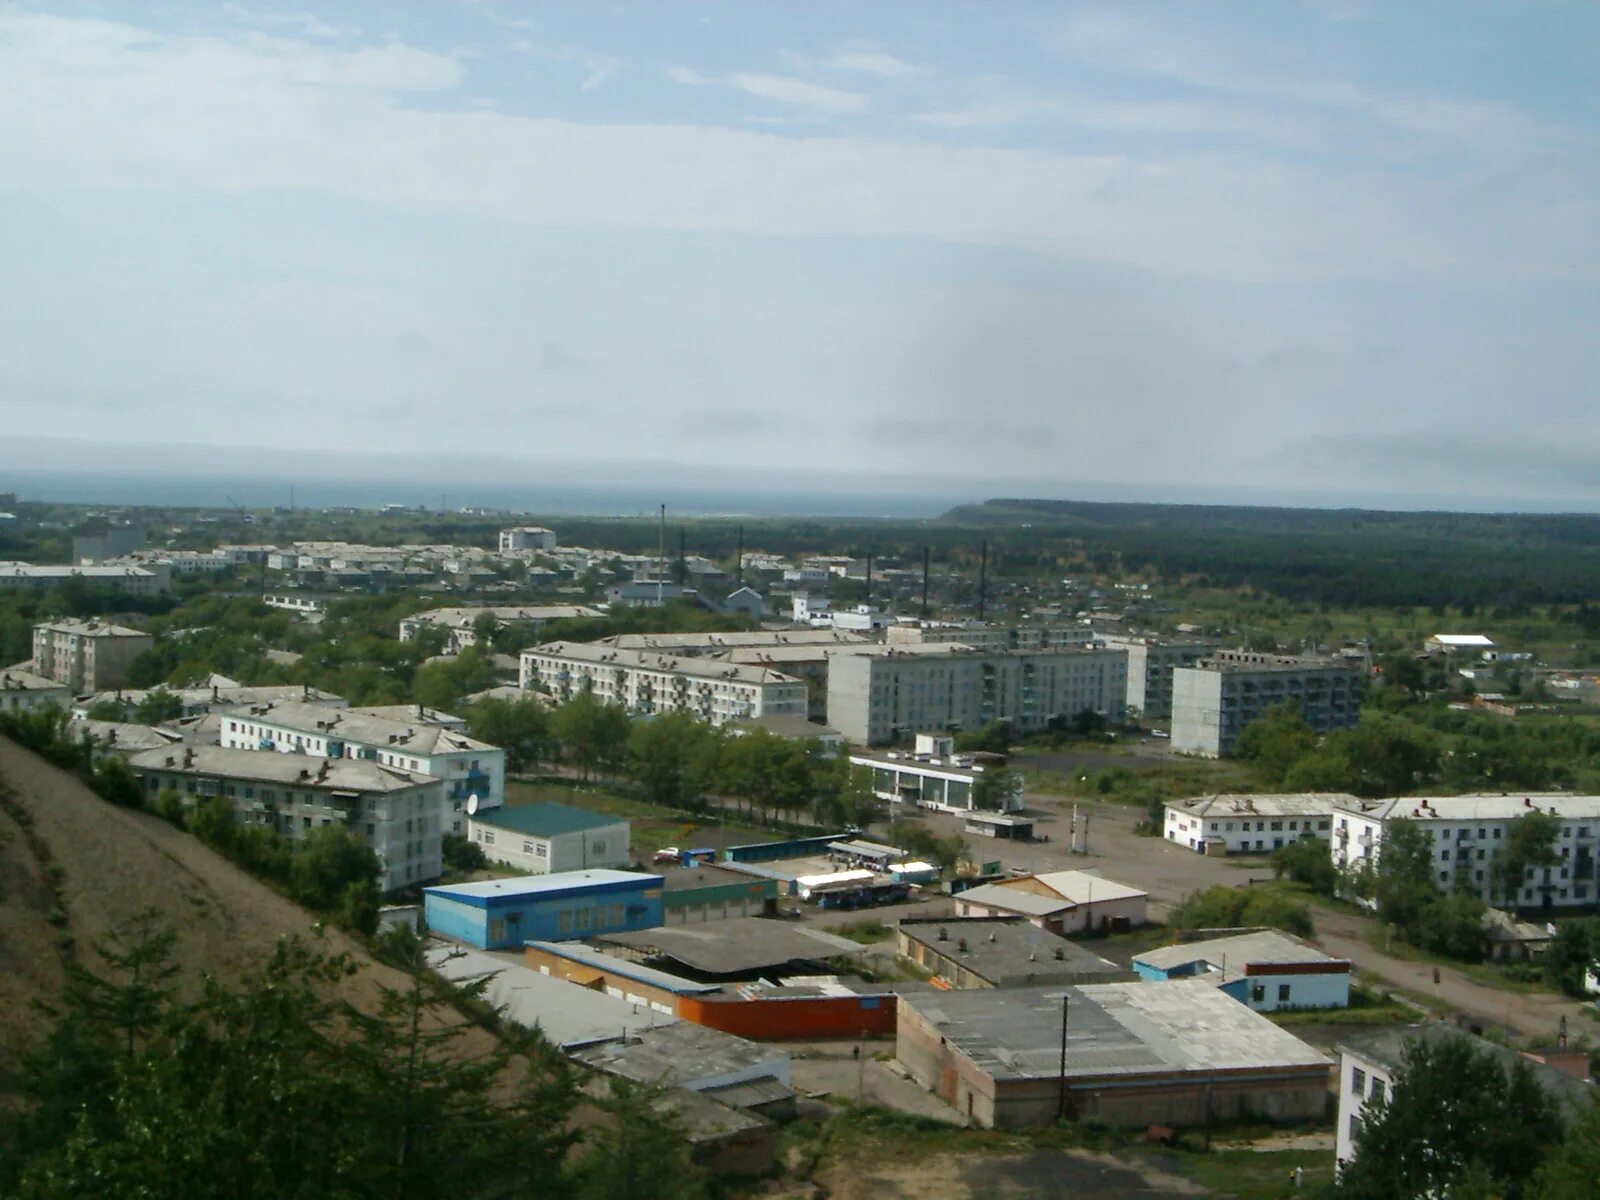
(666, 854)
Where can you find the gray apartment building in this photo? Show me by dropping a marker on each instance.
(1214, 699)
(1151, 661)
(87, 656)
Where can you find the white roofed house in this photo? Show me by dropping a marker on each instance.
(1249, 823)
(1061, 901)
(469, 769)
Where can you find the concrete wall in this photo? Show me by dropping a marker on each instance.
(1361, 1081)
(604, 846)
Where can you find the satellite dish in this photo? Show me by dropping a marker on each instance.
(472, 805)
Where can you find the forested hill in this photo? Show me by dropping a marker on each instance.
(1352, 556)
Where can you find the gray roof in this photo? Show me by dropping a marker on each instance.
(733, 640)
(684, 1054)
(91, 628)
(21, 678)
(700, 668)
(417, 737)
(1014, 900)
(1282, 804)
(1260, 946)
(1387, 1048)
(734, 946)
(610, 964)
(1113, 1029)
(569, 1015)
(125, 735)
(290, 770)
(1009, 952)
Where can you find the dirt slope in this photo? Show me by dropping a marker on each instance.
(108, 864)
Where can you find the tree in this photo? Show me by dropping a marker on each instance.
(1573, 950)
(1570, 1171)
(639, 1151)
(592, 733)
(1307, 861)
(1222, 907)
(114, 782)
(1275, 742)
(522, 728)
(160, 705)
(991, 789)
(844, 795)
(1530, 842)
(333, 872)
(1454, 1113)
(1403, 882)
(660, 751)
(107, 710)
(993, 738)
(460, 854)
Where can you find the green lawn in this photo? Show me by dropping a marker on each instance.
(1255, 1174)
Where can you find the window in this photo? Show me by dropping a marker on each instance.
(1283, 993)
(541, 849)
(1358, 1082)
(615, 914)
(600, 848)
(1277, 824)
(530, 847)
(1378, 1089)
(585, 915)
(497, 930)
(564, 922)
(1258, 992)
(487, 836)
(1444, 856)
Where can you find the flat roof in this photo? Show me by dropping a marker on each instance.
(566, 1013)
(413, 736)
(788, 726)
(1113, 1029)
(535, 885)
(610, 964)
(701, 668)
(289, 770)
(1014, 900)
(21, 679)
(681, 1053)
(734, 946)
(506, 614)
(733, 640)
(1463, 639)
(89, 628)
(1258, 946)
(703, 875)
(1480, 806)
(1084, 887)
(546, 819)
(1266, 804)
(1000, 950)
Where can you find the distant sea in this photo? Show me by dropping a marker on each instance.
(621, 500)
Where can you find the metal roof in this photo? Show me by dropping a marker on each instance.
(532, 885)
(1264, 946)
(1002, 951)
(1012, 899)
(1481, 806)
(684, 1054)
(610, 964)
(546, 819)
(734, 946)
(1279, 804)
(289, 770)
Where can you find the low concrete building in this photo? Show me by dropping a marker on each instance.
(1181, 1054)
(1265, 969)
(1061, 902)
(527, 537)
(733, 950)
(696, 894)
(86, 656)
(630, 981)
(544, 839)
(22, 688)
(826, 742)
(503, 914)
(935, 777)
(999, 952)
(461, 624)
(1250, 824)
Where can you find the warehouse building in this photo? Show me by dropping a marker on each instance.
(1180, 1054)
(546, 839)
(503, 914)
(1061, 902)
(999, 952)
(1265, 969)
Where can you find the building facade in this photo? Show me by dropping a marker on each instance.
(1151, 662)
(503, 914)
(133, 581)
(1264, 969)
(526, 537)
(461, 624)
(883, 694)
(646, 684)
(1468, 833)
(1213, 700)
(1250, 823)
(86, 656)
(400, 814)
(544, 839)
(938, 779)
(1062, 902)
(22, 689)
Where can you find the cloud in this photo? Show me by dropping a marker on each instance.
(784, 89)
(873, 62)
(1445, 459)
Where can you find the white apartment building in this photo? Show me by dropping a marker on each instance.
(135, 581)
(646, 683)
(400, 814)
(1250, 824)
(460, 624)
(1151, 662)
(526, 537)
(220, 694)
(981, 635)
(468, 768)
(87, 656)
(879, 694)
(1215, 698)
(811, 610)
(753, 640)
(302, 604)
(22, 689)
(1468, 833)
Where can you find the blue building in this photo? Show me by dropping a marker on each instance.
(502, 914)
(1264, 969)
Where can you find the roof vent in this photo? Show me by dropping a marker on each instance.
(944, 934)
(1060, 954)
(992, 936)
(962, 945)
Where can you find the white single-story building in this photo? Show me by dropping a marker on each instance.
(1061, 901)
(545, 839)
(1265, 969)
(1250, 824)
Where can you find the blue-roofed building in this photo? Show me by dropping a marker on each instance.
(502, 914)
(544, 839)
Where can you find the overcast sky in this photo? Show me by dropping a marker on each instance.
(1337, 246)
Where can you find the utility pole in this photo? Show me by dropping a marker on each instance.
(1061, 1099)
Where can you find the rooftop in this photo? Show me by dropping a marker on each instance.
(547, 819)
(533, 885)
(1014, 900)
(1259, 946)
(1113, 1029)
(291, 770)
(681, 1053)
(736, 946)
(1005, 952)
(410, 713)
(610, 964)
(20, 679)
(418, 737)
(1082, 887)
(1476, 641)
(1388, 1047)
(586, 652)
(1481, 806)
(736, 640)
(1246, 662)
(125, 735)
(703, 875)
(505, 614)
(1279, 804)
(787, 726)
(89, 628)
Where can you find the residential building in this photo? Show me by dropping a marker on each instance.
(646, 684)
(400, 814)
(1370, 1064)
(92, 548)
(1213, 700)
(816, 611)
(1061, 902)
(880, 694)
(220, 694)
(133, 581)
(419, 713)
(503, 914)
(545, 839)
(998, 952)
(981, 635)
(1263, 968)
(935, 777)
(1132, 1055)
(702, 645)
(303, 604)
(825, 741)
(468, 767)
(461, 624)
(648, 593)
(1151, 662)
(86, 655)
(526, 537)
(1249, 823)
(1468, 833)
(22, 688)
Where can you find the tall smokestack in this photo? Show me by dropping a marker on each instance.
(983, 578)
(869, 578)
(683, 564)
(661, 558)
(740, 568)
(925, 583)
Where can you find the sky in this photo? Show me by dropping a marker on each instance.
(1189, 250)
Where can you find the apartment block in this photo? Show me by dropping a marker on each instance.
(87, 656)
(461, 624)
(526, 537)
(1468, 833)
(1250, 823)
(883, 694)
(400, 814)
(153, 580)
(645, 683)
(1151, 662)
(1214, 699)
(981, 635)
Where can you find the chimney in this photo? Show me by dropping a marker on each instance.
(1060, 954)
(962, 945)
(944, 934)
